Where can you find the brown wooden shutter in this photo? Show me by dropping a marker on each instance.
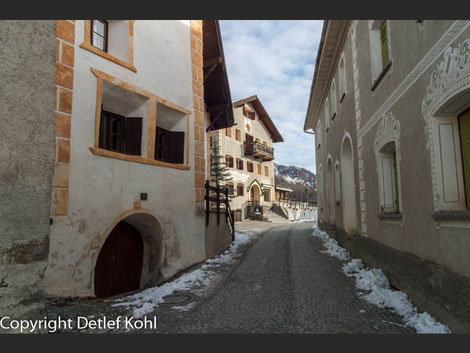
(176, 147)
(133, 136)
(104, 129)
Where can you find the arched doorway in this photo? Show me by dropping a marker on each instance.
(348, 188)
(255, 194)
(118, 268)
(330, 191)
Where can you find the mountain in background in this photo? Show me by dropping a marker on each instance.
(301, 180)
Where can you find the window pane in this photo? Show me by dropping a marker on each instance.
(98, 41)
(98, 27)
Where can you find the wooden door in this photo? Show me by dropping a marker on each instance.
(119, 264)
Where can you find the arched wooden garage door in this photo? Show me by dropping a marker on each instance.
(119, 264)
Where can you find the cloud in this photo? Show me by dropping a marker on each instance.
(275, 60)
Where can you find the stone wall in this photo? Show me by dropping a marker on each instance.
(218, 236)
(27, 131)
(431, 287)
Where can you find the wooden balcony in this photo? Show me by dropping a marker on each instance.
(258, 150)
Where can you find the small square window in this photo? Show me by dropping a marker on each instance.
(99, 34)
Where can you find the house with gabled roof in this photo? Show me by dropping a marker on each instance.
(248, 147)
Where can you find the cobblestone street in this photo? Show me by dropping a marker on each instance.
(279, 283)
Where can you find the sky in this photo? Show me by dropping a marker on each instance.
(275, 60)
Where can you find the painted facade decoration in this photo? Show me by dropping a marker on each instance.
(400, 136)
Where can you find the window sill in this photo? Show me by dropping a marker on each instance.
(383, 215)
(381, 75)
(451, 215)
(89, 47)
(136, 159)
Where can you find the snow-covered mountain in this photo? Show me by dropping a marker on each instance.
(294, 175)
(300, 180)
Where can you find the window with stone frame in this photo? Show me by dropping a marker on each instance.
(342, 78)
(228, 131)
(249, 167)
(258, 169)
(266, 170)
(327, 115)
(389, 180)
(380, 53)
(333, 99)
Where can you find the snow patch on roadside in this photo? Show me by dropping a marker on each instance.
(374, 287)
(149, 299)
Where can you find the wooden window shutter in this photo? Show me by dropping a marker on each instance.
(133, 136)
(384, 43)
(176, 147)
(104, 129)
(464, 127)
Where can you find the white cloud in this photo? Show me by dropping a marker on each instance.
(275, 60)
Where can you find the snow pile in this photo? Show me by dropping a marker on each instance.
(149, 299)
(374, 287)
(331, 245)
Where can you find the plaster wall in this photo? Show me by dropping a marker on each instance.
(104, 190)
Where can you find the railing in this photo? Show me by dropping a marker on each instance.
(297, 204)
(220, 201)
(256, 148)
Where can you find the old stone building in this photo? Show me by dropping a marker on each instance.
(27, 129)
(248, 148)
(115, 114)
(389, 107)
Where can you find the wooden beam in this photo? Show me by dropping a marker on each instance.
(214, 120)
(210, 62)
(210, 71)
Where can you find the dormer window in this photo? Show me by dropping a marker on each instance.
(99, 34)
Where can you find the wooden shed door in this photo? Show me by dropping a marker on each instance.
(119, 264)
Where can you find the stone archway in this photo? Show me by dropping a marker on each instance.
(133, 224)
(348, 188)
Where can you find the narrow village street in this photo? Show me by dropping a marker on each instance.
(281, 282)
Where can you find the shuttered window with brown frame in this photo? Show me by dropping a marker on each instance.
(238, 135)
(120, 134)
(169, 146)
(258, 169)
(266, 170)
(228, 131)
(249, 167)
(239, 164)
(229, 161)
(240, 189)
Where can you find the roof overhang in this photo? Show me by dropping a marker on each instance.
(333, 35)
(216, 86)
(263, 115)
